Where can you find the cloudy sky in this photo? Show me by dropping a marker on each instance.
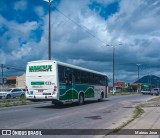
(81, 31)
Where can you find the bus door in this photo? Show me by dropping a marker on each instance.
(69, 79)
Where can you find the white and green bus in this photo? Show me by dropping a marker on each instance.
(64, 83)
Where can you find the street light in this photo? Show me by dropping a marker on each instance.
(49, 28)
(138, 70)
(113, 60)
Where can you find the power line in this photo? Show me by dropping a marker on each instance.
(11, 71)
(83, 27)
(11, 67)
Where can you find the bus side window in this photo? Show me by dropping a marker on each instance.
(77, 76)
(61, 73)
(68, 75)
(67, 79)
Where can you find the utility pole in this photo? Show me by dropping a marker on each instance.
(113, 61)
(2, 76)
(7, 67)
(49, 30)
(138, 70)
(113, 66)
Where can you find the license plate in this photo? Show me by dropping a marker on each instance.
(46, 93)
(40, 90)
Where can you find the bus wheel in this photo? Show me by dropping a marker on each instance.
(81, 99)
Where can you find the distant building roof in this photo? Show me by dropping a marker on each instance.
(135, 84)
(120, 84)
(11, 78)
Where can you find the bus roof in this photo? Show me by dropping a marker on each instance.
(68, 65)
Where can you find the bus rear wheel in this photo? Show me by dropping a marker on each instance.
(81, 99)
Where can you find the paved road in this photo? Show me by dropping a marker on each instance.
(96, 115)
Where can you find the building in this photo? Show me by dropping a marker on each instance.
(20, 81)
(135, 87)
(15, 81)
(11, 82)
(121, 86)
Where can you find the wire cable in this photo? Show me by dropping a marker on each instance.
(83, 27)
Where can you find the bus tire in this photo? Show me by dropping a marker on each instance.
(81, 99)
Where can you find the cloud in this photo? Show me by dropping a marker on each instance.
(16, 41)
(21, 52)
(20, 5)
(73, 44)
(79, 35)
(39, 10)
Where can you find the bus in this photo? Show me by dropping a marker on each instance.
(63, 83)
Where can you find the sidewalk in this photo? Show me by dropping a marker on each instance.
(150, 119)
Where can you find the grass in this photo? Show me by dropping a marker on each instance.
(136, 113)
(12, 102)
(17, 102)
(157, 99)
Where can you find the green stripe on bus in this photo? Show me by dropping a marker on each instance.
(73, 94)
(37, 83)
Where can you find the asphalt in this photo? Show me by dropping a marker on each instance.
(108, 114)
(148, 122)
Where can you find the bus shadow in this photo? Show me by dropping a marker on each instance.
(63, 106)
